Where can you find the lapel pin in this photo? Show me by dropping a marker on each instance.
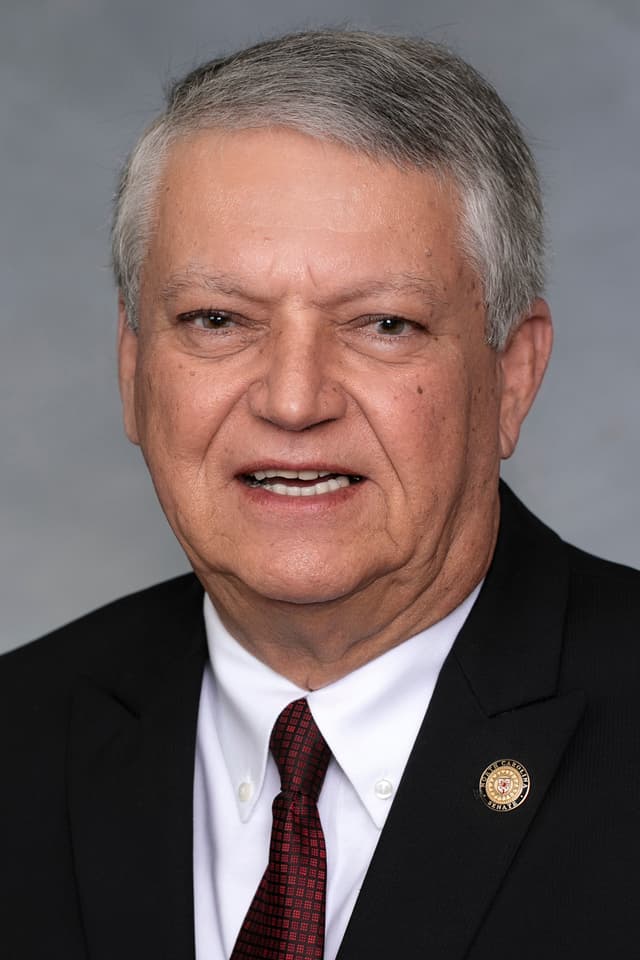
(504, 785)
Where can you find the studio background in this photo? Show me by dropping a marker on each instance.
(79, 520)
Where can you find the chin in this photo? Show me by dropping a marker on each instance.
(304, 596)
(297, 582)
(301, 591)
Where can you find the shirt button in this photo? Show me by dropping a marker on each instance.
(245, 792)
(383, 789)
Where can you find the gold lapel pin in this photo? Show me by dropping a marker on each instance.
(504, 785)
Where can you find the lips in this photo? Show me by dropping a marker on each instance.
(299, 483)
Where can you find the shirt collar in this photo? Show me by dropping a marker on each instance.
(381, 705)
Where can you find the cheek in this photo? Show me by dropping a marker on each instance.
(430, 415)
(179, 411)
(485, 404)
(438, 431)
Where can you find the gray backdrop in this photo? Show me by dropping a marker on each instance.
(79, 522)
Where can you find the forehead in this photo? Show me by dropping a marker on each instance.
(278, 203)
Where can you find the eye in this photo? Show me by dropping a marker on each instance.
(209, 319)
(392, 326)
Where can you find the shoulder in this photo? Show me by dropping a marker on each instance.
(593, 583)
(123, 634)
(603, 598)
(602, 626)
(594, 602)
(603, 579)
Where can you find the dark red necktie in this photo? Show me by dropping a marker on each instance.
(286, 918)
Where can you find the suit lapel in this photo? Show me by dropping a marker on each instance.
(131, 760)
(443, 854)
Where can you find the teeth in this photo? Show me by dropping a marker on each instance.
(326, 486)
(311, 474)
(280, 488)
(291, 474)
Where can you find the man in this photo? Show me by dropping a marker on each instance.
(328, 251)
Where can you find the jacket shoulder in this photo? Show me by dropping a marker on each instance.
(592, 580)
(603, 613)
(603, 591)
(127, 630)
(607, 572)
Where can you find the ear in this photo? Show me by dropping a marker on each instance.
(522, 364)
(127, 363)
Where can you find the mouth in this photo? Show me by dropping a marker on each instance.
(299, 483)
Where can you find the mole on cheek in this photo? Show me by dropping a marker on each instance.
(419, 389)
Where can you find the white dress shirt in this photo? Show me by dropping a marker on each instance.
(370, 720)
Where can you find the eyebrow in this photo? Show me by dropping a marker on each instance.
(189, 279)
(228, 285)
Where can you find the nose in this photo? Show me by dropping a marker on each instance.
(299, 386)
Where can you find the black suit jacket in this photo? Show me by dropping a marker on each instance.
(98, 730)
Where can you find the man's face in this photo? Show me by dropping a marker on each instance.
(310, 383)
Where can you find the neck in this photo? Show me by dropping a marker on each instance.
(314, 644)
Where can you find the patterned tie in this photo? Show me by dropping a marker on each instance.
(286, 918)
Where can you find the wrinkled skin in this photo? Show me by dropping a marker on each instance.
(303, 306)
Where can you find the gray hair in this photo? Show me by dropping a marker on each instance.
(408, 101)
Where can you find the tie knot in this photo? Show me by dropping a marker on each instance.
(300, 750)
